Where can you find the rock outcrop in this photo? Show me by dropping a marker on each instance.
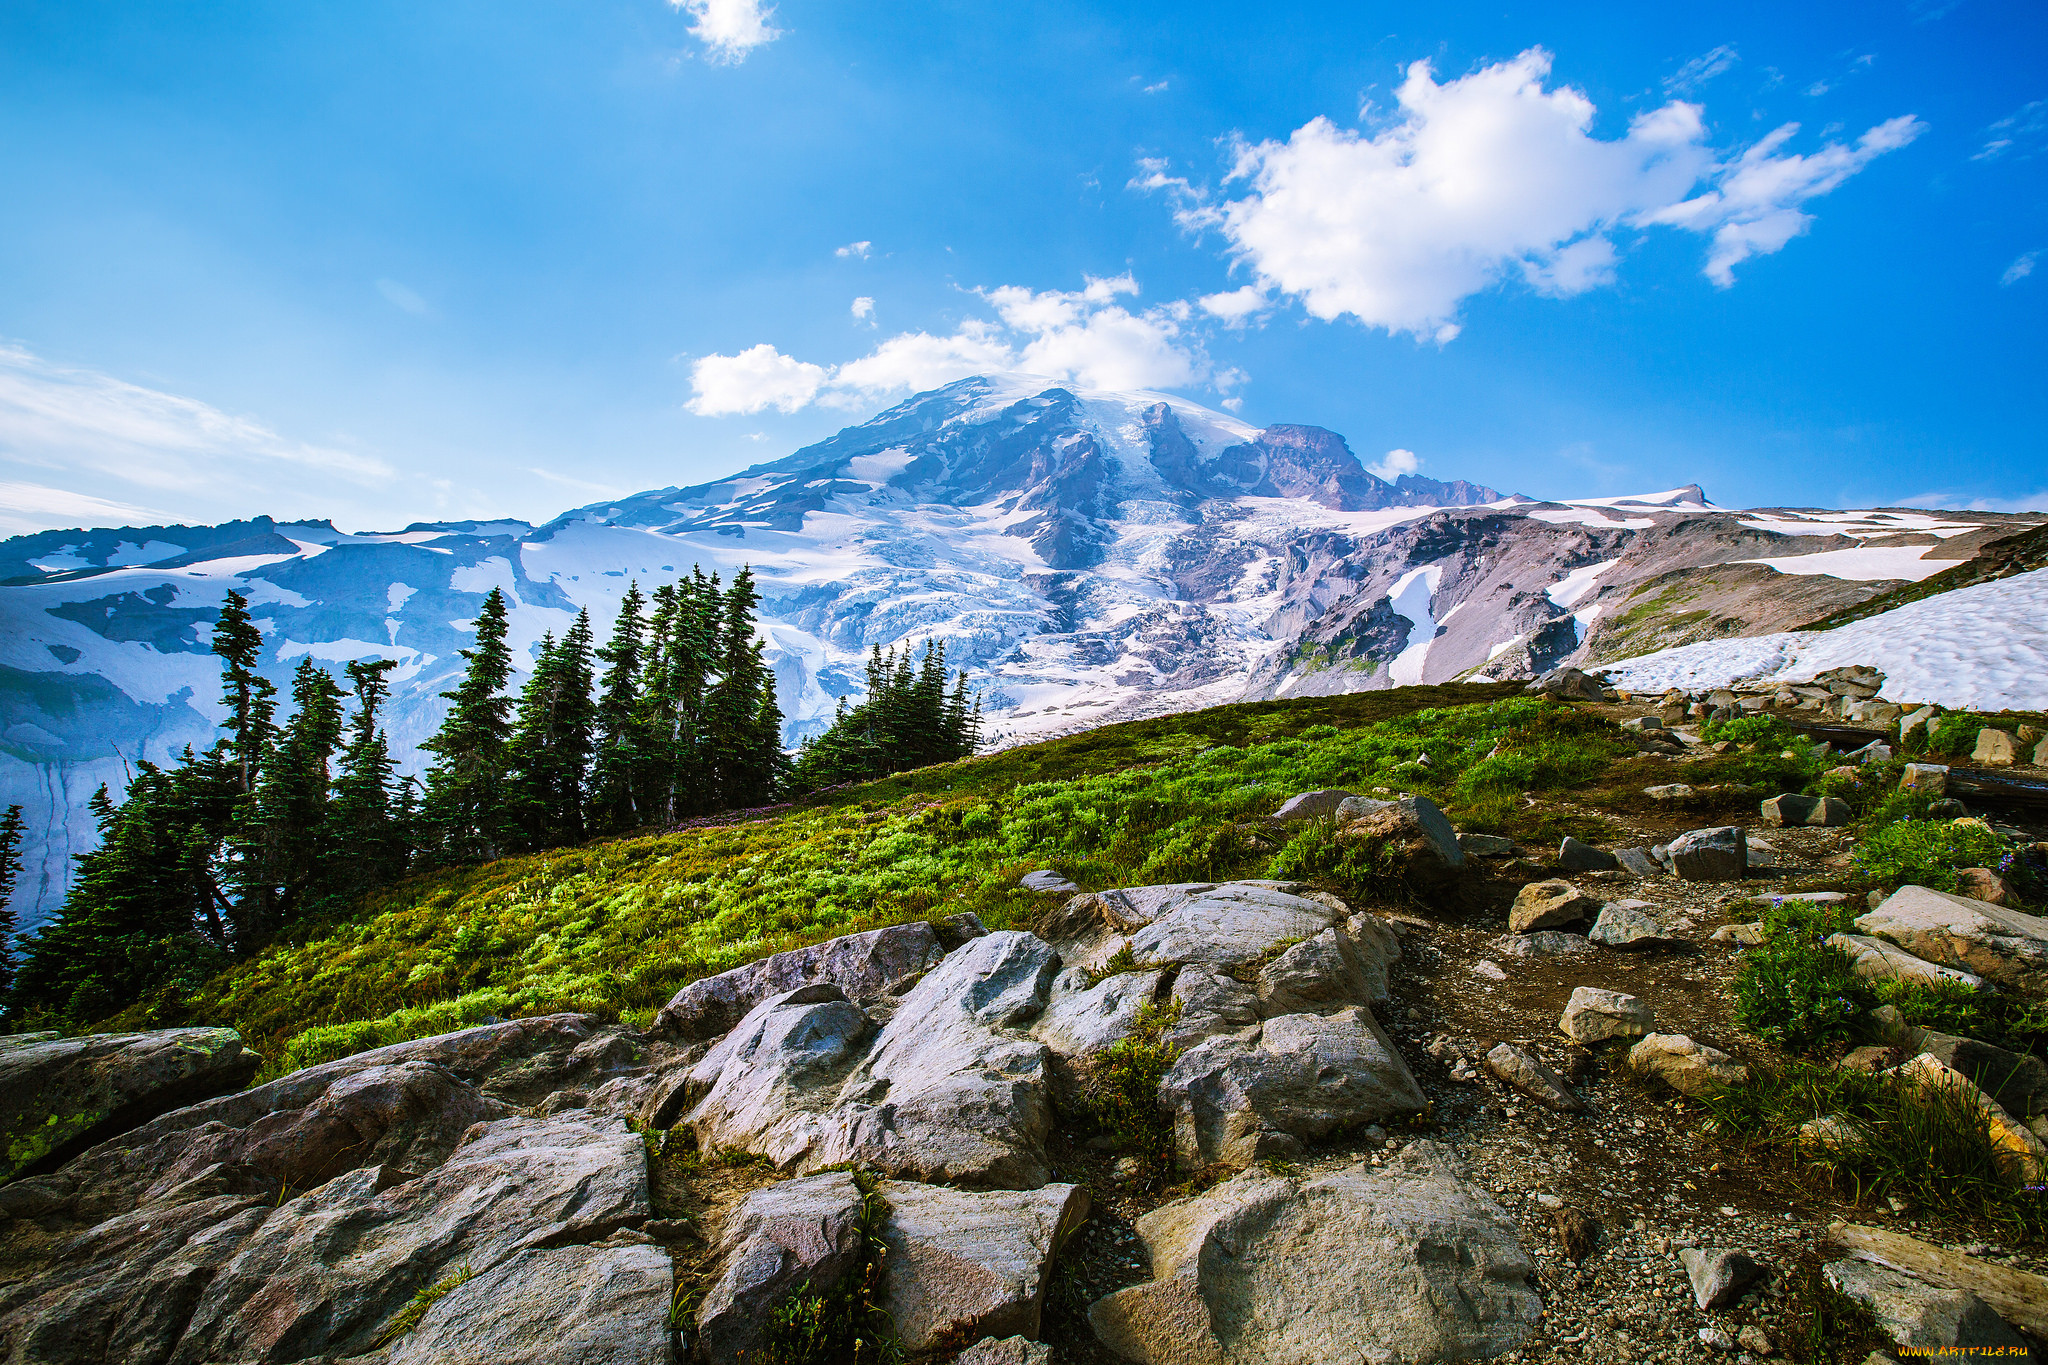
(2001, 945)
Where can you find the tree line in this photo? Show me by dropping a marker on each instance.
(207, 858)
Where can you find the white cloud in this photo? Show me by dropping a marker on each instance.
(26, 507)
(1396, 463)
(1754, 209)
(864, 310)
(857, 250)
(1701, 69)
(404, 299)
(758, 377)
(2021, 267)
(730, 29)
(1490, 177)
(1156, 88)
(2036, 501)
(83, 421)
(1085, 336)
(2024, 132)
(1237, 306)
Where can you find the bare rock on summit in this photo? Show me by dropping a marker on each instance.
(1405, 1262)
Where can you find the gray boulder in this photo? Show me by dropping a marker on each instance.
(1327, 972)
(1237, 1098)
(797, 1236)
(1995, 942)
(860, 965)
(1211, 1002)
(2018, 1083)
(1832, 813)
(1718, 1276)
(1007, 1351)
(61, 1095)
(1436, 826)
(1574, 856)
(325, 1272)
(1316, 805)
(1688, 1067)
(565, 1306)
(1921, 1316)
(1873, 957)
(1568, 684)
(1718, 854)
(1637, 862)
(1229, 925)
(1789, 809)
(765, 1088)
(963, 1264)
(1046, 880)
(1625, 925)
(1485, 845)
(1594, 1015)
(1406, 1262)
(1549, 905)
(1545, 943)
(1526, 1072)
(1085, 1016)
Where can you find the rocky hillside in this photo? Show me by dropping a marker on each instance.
(1088, 556)
(1637, 1028)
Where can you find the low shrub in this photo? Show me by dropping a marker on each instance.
(846, 1324)
(1793, 989)
(1954, 735)
(1767, 732)
(1928, 852)
(1120, 1093)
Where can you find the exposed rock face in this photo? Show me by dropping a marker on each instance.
(1407, 1262)
(2021, 1155)
(962, 1265)
(1875, 958)
(1999, 944)
(1086, 1016)
(860, 965)
(802, 1234)
(765, 1086)
(60, 1096)
(1237, 1100)
(1919, 1315)
(566, 1306)
(1229, 925)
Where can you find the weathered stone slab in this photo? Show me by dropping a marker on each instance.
(1995, 942)
(860, 965)
(566, 1306)
(964, 1264)
(800, 1235)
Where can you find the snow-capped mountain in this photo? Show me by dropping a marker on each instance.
(1088, 556)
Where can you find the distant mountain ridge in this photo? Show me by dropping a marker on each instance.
(1088, 556)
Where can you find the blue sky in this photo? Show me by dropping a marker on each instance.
(388, 262)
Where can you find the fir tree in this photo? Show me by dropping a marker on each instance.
(464, 807)
(251, 698)
(290, 832)
(549, 754)
(907, 720)
(368, 841)
(619, 753)
(11, 831)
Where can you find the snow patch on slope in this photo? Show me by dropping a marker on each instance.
(1980, 647)
(1411, 597)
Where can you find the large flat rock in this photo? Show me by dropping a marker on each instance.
(1407, 1262)
(967, 1264)
(1999, 944)
(861, 965)
(564, 1306)
(798, 1236)
(60, 1096)
(1230, 925)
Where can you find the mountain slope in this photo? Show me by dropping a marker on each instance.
(1087, 556)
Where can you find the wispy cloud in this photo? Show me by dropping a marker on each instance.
(863, 310)
(856, 250)
(26, 507)
(404, 299)
(1701, 69)
(2019, 135)
(2021, 267)
(730, 29)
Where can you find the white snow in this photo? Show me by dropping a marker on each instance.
(1864, 563)
(395, 595)
(1589, 516)
(1984, 647)
(1670, 497)
(1410, 597)
(878, 469)
(1578, 582)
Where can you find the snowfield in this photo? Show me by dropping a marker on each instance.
(1983, 647)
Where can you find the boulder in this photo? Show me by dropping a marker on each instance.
(1485, 845)
(2040, 755)
(964, 1264)
(1549, 905)
(1718, 1276)
(767, 1085)
(1594, 1015)
(1574, 856)
(1668, 791)
(1545, 943)
(1046, 880)
(1921, 1317)
(326, 1272)
(1830, 1134)
(564, 1306)
(1911, 722)
(1316, 805)
(800, 1235)
(1789, 809)
(1237, 1099)
(861, 965)
(1625, 926)
(1688, 1067)
(1982, 884)
(2019, 1083)
(59, 1096)
(1414, 825)
(1211, 1002)
(1568, 684)
(1929, 779)
(1230, 925)
(1406, 1262)
(1832, 812)
(950, 1091)
(2021, 1154)
(1992, 941)
(1637, 862)
(1327, 972)
(1875, 958)
(1718, 854)
(1524, 1070)
(1085, 1015)
(1995, 748)
(1007, 1351)
(1741, 935)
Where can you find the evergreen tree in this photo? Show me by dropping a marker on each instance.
(907, 720)
(291, 833)
(251, 698)
(464, 806)
(11, 831)
(368, 840)
(619, 753)
(743, 741)
(551, 739)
